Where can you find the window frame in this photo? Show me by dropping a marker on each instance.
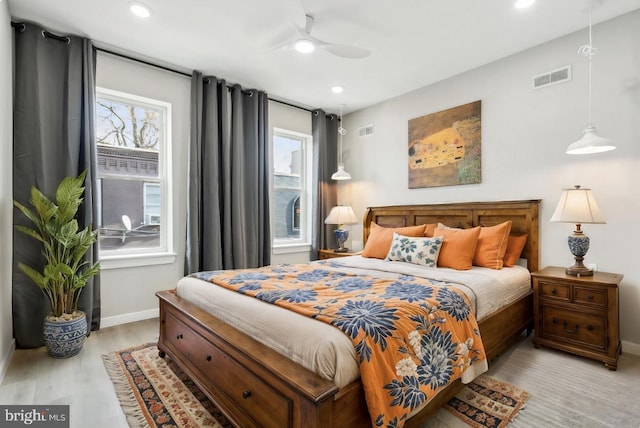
(164, 254)
(303, 243)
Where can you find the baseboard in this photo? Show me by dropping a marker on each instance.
(6, 360)
(127, 318)
(630, 348)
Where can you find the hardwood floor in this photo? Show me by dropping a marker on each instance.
(81, 381)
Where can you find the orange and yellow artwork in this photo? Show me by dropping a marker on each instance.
(445, 147)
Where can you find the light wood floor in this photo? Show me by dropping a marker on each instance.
(81, 381)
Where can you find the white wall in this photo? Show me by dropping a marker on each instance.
(6, 193)
(525, 132)
(128, 294)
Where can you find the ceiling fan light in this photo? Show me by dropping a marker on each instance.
(523, 4)
(341, 174)
(590, 142)
(304, 46)
(140, 9)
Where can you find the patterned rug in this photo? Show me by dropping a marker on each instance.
(154, 392)
(488, 402)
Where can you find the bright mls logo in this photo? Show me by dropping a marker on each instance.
(34, 416)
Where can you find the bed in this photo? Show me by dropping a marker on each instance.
(257, 386)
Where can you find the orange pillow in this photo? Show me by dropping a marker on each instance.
(492, 245)
(430, 227)
(514, 249)
(379, 240)
(458, 247)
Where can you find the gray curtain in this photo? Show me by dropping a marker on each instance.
(228, 186)
(325, 190)
(53, 137)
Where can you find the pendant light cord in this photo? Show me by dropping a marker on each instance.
(589, 51)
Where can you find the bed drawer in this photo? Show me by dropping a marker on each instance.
(259, 402)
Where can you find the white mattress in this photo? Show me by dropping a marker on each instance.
(325, 349)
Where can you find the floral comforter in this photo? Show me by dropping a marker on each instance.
(412, 337)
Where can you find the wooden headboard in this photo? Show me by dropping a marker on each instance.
(523, 214)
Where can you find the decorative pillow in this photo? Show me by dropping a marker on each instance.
(419, 251)
(492, 245)
(515, 246)
(379, 240)
(429, 228)
(458, 247)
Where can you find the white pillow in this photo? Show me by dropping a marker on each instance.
(419, 251)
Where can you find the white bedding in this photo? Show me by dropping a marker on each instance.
(325, 349)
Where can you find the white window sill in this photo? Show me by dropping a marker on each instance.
(136, 260)
(291, 248)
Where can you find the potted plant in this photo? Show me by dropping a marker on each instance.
(65, 271)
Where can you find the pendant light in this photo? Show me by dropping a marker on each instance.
(340, 174)
(590, 142)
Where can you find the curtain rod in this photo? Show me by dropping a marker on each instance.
(185, 74)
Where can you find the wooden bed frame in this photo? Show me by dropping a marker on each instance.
(256, 386)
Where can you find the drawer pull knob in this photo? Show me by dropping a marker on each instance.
(570, 331)
(246, 394)
(589, 327)
(590, 297)
(179, 336)
(553, 291)
(555, 320)
(208, 358)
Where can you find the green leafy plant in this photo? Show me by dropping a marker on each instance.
(65, 271)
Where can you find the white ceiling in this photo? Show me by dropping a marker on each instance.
(413, 42)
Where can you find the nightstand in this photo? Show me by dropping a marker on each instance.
(578, 314)
(330, 254)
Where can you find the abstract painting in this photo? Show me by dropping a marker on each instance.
(445, 147)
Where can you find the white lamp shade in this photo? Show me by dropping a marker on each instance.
(590, 142)
(341, 214)
(577, 206)
(341, 174)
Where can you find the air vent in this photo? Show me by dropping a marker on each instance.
(365, 131)
(552, 77)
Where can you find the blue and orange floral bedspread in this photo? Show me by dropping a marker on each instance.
(412, 337)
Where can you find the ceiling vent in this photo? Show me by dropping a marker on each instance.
(365, 131)
(552, 77)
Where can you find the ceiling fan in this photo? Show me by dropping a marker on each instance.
(306, 43)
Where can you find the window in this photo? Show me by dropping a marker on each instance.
(291, 193)
(133, 145)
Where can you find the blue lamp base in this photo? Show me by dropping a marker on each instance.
(578, 245)
(341, 236)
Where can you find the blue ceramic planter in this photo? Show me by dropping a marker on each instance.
(64, 339)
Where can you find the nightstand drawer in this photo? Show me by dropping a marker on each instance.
(590, 296)
(579, 327)
(550, 290)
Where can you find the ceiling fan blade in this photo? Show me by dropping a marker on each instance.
(346, 51)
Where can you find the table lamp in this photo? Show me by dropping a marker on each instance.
(341, 215)
(578, 206)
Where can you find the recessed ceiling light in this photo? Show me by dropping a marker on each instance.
(140, 9)
(337, 89)
(523, 4)
(304, 46)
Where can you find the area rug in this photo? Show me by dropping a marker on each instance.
(488, 402)
(154, 392)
